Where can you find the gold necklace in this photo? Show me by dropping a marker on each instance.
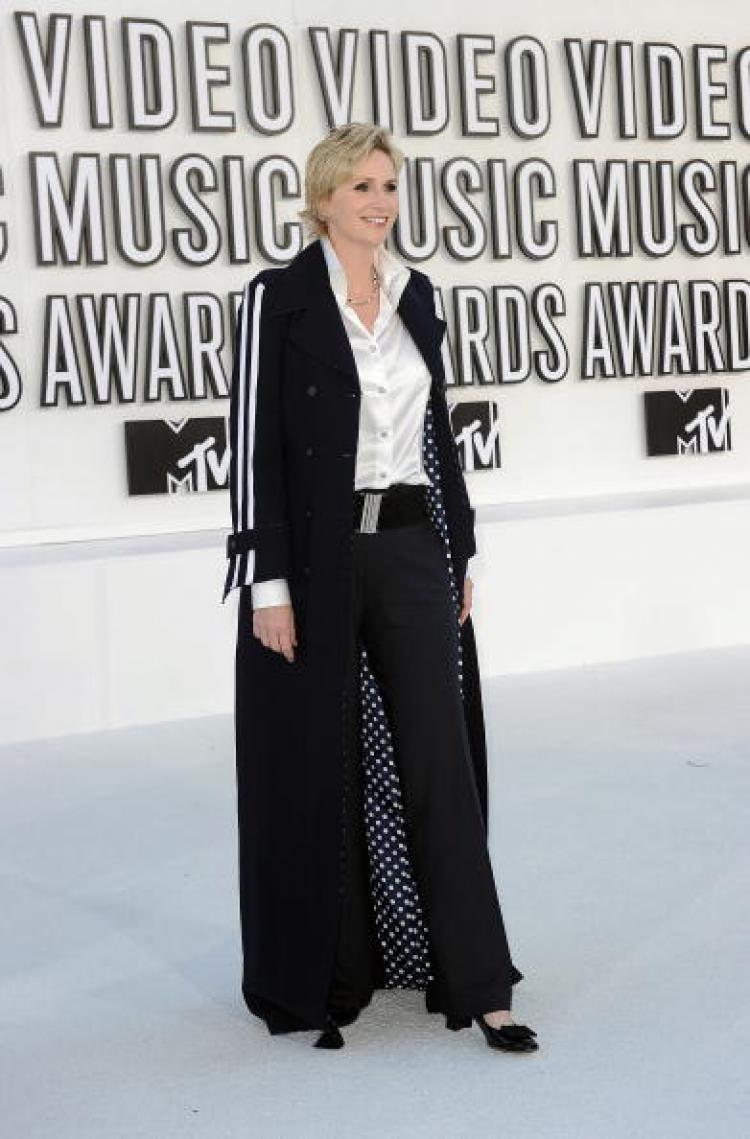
(373, 294)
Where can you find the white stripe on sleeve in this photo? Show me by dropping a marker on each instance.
(247, 399)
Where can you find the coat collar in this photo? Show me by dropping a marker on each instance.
(305, 287)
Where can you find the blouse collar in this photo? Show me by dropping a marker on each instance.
(394, 274)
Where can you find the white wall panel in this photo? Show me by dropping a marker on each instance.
(589, 550)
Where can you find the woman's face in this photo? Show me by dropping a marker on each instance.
(371, 193)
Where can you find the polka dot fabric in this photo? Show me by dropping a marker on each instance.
(400, 922)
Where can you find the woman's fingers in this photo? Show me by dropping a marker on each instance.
(273, 625)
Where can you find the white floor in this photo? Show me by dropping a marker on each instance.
(620, 839)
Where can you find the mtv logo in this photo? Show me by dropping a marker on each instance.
(476, 431)
(186, 456)
(692, 422)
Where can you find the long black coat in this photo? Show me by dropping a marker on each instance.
(294, 421)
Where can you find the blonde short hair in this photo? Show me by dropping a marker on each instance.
(332, 160)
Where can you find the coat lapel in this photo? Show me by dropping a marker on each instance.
(318, 329)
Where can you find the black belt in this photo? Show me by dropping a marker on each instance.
(401, 504)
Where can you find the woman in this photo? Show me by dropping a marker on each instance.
(361, 762)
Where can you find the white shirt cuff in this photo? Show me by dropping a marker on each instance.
(273, 592)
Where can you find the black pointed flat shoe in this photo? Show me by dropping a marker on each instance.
(456, 1023)
(330, 1037)
(509, 1037)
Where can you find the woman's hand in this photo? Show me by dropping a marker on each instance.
(466, 607)
(274, 627)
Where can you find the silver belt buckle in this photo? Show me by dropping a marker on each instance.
(368, 523)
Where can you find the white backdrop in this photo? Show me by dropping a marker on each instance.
(588, 549)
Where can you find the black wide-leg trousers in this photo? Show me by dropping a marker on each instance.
(404, 613)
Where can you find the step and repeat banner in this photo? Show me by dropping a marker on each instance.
(582, 206)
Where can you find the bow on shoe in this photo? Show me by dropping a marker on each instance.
(517, 1031)
(509, 1037)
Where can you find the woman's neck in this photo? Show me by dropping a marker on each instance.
(358, 262)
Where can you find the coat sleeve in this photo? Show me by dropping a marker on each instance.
(258, 547)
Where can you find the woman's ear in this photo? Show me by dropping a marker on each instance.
(322, 207)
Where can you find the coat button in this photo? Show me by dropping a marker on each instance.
(308, 513)
(312, 389)
(309, 451)
(306, 571)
